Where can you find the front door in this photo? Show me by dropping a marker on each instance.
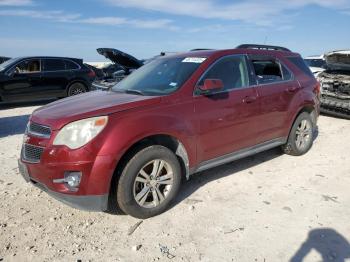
(22, 81)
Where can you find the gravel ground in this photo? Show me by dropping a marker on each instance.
(269, 207)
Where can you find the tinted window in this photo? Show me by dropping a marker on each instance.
(287, 75)
(232, 71)
(54, 65)
(267, 71)
(28, 66)
(300, 63)
(70, 65)
(159, 77)
(7, 64)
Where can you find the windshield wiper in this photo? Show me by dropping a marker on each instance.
(135, 92)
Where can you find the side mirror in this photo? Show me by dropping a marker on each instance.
(212, 84)
(13, 73)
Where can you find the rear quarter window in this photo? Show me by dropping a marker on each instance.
(300, 63)
(287, 75)
(70, 65)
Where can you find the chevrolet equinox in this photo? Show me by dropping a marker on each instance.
(177, 115)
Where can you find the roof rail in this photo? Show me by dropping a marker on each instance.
(200, 49)
(266, 47)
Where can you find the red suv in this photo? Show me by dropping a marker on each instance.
(130, 147)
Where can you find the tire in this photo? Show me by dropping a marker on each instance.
(76, 89)
(301, 136)
(143, 197)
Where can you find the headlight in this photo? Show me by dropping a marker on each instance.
(79, 133)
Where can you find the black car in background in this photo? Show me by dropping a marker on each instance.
(3, 59)
(98, 72)
(35, 78)
(123, 64)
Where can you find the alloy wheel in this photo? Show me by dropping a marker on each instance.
(303, 134)
(153, 183)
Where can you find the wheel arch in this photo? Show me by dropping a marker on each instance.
(311, 110)
(307, 108)
(168, 141)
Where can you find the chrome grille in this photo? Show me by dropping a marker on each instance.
(39, 130)
(31, 153)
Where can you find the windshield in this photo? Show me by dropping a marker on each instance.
(7, 63)
(316, 62)
(159, 77)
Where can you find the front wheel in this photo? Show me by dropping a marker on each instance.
(301, 137)
(149, 182)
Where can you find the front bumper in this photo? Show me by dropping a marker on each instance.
(82, 202)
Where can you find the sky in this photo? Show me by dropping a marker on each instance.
(144, 28)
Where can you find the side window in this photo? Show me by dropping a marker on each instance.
(267, 71)
(300, 63)
(287, 75)
(231, 70)
(53, 65)
(28, 66)
(70, 65)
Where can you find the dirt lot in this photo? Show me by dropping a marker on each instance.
(270, 207)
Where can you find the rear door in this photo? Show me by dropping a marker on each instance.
(227, 117)
(276, 88)
(56, 77)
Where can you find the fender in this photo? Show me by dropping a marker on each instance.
(141, 124)
(295, 107)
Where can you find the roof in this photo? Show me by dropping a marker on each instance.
(340, 52)
(208, 53)
(51, 57)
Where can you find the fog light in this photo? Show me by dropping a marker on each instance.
(71, 179)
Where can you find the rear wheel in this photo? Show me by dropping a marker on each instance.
(149, 182)
(300, 138)
(76, 89)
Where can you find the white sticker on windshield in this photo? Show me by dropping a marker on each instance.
(196, 60)
(173, 84)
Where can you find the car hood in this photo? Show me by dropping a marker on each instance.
(120, 58)
(338, 60)
(61, 112)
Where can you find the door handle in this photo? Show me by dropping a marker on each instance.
(249, 99)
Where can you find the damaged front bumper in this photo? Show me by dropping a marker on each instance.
(335, 93)
(82, 202)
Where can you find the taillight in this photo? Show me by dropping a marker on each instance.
(92, 74)
(317, 89)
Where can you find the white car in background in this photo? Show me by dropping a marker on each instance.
(335, 84)
(317, 64)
